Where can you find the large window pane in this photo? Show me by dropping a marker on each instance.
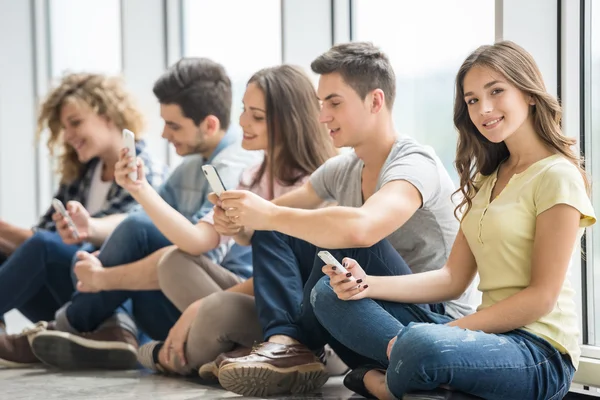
(426, 41)
(243, 35)
(85, 36)
(593, 157)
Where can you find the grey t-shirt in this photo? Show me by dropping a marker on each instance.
(425, 240)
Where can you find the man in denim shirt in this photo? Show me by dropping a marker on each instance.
(195, 97)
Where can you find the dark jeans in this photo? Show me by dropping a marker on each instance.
(35, 279)
(428, 353)
(134, 239)
(285, 271)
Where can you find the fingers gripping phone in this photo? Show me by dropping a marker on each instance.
(331, 260)
(214, 179)
(129, 143)
(60, 208)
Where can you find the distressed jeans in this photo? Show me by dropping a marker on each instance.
(428, 353)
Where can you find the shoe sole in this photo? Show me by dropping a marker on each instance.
(12, 364)
(66, 351)
(209, 372)
(261, 380)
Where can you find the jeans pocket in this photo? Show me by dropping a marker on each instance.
(562, 392)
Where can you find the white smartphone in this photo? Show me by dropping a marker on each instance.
(60, 208)
(214, 179)
(129, 142)
(331, 260)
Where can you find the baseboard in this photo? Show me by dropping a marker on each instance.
(588, 373)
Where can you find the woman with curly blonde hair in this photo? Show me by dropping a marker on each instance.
(85, 115)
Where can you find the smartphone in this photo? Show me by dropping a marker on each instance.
(129, 142)
(214, 179)
(330, 260)
(60, 208)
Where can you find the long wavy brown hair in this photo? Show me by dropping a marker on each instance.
(474, 153)
(104, 95)
(298, 142)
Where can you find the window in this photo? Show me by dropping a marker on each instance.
(592, 152)
(85, 36)
(426, 41)
(243, 41)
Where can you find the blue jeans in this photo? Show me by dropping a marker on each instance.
(134, 239)
(285, 271)
(428, 353)
(35, 279)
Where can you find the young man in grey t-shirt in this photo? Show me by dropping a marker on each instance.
(394, 215)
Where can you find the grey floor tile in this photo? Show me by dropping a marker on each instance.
(39, 383)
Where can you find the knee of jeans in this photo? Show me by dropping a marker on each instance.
(133, 225)
(419, 345)
(40, 240)
(322, 294)
(166, 269)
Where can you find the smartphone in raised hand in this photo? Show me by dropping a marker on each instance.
(60, 208)
(129, 143)
(214, 179)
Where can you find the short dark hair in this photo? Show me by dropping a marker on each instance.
(200, 86)
(363, 67)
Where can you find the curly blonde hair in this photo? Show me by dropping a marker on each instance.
(104, 95)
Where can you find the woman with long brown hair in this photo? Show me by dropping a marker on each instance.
(524, 206)
(280, 117)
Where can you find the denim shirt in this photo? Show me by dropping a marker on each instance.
(187, 189)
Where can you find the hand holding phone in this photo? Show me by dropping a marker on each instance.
(60, 208)
(331, 260)
(214, 179)
(129, 143)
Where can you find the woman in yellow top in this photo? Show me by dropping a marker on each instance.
(524, 206)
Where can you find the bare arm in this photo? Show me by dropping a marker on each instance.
(303, 197)
(12, 235)
(138, 275)
(193, 239)
(556, 232)
(341, 227)
(437, 286)
(6, 247)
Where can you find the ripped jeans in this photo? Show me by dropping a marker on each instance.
(428, 353)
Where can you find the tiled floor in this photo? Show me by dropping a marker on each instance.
(41, 384)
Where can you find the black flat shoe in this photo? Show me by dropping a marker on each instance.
(354, 380)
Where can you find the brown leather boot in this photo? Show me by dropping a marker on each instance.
(273, 369)
(107, 348)
(210, 371)
(15, 350)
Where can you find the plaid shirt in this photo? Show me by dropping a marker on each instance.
(118, 200)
